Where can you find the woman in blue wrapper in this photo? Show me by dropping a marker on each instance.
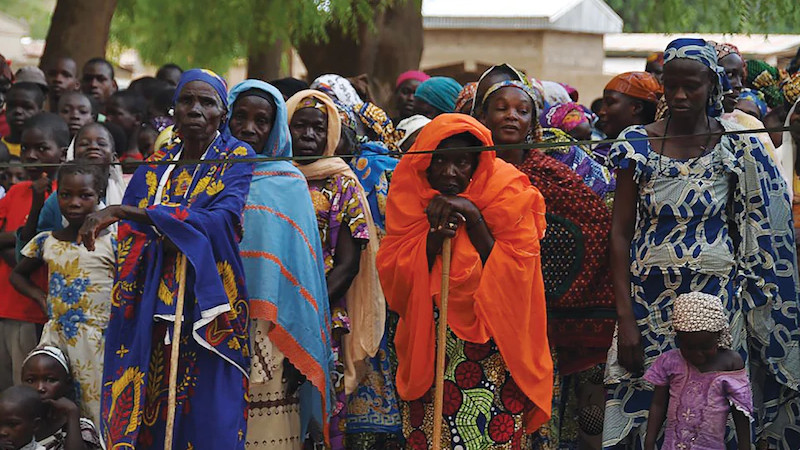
(290, 386)
(194, 208)
(697, 210)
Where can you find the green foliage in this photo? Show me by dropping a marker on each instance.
(213, 34)
(35, 13)
(709, 16)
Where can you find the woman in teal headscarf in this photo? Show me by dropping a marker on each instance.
(282, 257)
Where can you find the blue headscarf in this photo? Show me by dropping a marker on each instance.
(701, 51)
(210, 78)
(757, 98)
(282, 259)
(439, 92)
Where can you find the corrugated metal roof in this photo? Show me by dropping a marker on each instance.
(580, 16)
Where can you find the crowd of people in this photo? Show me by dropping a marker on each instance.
(621, 276)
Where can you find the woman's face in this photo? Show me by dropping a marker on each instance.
(309, 128)
(509, 115)
(404, 98)
(734, 69)
(95, 143)
(618, 112)
(424, 108)
(198, 112)
(47, 376)
(687, 87)
(451, 171)
(252, 120)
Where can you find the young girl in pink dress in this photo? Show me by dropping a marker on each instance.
(701, 382)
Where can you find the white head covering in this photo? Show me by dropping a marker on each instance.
(696, 311)
(410, 125)
(53, 352)
(554, 93)
(787, 153)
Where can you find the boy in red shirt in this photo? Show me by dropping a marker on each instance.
(45, 138)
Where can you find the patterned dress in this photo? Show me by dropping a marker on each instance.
(78, 304)
(699, 402)
(684, 242)
(337, 204)
(483, 406)
(58, 440)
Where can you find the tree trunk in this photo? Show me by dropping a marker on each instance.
(78, 29)
(388, 46)
(264, 62)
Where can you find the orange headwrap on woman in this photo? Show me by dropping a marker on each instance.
(502, 299)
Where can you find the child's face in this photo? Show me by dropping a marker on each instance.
(13, 175)
(146, 140)
(77, 197)
(38, 146)
(76, 110)
(698, 347)
(20, 106)
(47, 376)
(117, 113)
(17, 427)
(95, 143)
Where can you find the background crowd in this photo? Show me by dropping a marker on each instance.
(615, 266)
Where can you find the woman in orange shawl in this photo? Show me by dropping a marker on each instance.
(499, 373)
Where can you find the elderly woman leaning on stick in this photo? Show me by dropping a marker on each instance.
(194, 209)
(499, 366)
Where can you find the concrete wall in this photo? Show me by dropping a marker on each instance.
(574, 58)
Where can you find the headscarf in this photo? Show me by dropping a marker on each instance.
(213, 80)
(509, 83)
(439, 92)
(724, 49)
(565, 116)
(517, 75)
(338, 89)
(366, 305)
(766, 79)
(410, 125)
(411, 75)
(570, 90)
(697, 311)
(538, 90)
(641, 85)
(282, 259)
(791, 88)
(53, 352)
(466, 95)
(703, 52)
(379, 122)
(757, 98)
(501, 299)
(554, 93)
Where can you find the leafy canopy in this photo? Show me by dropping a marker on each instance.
(709, 16)
(214, 34)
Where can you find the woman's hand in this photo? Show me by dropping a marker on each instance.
(629, 346)
(443, 208)
(97, 222)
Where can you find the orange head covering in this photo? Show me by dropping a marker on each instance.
(641, 85)
(502, 299)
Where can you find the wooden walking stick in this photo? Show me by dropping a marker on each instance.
(441, 346)
(175, 352)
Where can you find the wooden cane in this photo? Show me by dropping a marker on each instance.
(441, 346)
(175, 353)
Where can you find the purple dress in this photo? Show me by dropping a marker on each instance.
(699, 402)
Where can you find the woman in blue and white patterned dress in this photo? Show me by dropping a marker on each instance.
(699, 210)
